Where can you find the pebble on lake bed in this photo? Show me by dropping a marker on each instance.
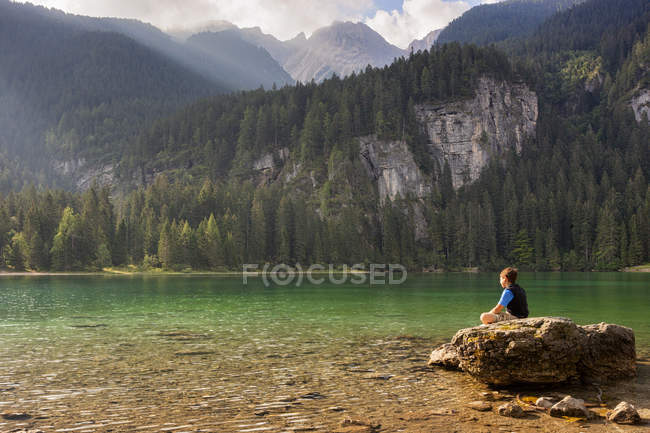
(511, 409)
(544, 402)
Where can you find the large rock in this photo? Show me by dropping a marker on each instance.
(540, 350)
(609, 351)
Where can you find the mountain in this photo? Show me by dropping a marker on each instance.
(227, 52)
(249, 69)
(66, 90)
(280, 50)
(342, 48)
(425, 43)
(455, 156)
(529, 152)
(490, 23)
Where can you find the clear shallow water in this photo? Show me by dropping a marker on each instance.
(432, 306)
(209, 350)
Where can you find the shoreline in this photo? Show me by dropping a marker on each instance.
(159, 272)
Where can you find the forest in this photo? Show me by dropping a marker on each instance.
(575, 198)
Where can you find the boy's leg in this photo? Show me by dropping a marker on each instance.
(488, 318)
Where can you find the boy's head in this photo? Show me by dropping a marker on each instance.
(508, 276)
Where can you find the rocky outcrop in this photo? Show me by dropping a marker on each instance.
(83, 174)
(269, 165)
(467, 133)
(425, 43)
(269, 161)
(640, 104)
(392, 166)
(541, 350)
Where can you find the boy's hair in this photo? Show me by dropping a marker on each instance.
(509, 274)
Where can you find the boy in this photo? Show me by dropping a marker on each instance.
(513, 299)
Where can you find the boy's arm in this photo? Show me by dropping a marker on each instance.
(497, 309)
(506, 297)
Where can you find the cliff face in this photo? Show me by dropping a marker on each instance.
(392, 166)
(465, 134)
(640, 104)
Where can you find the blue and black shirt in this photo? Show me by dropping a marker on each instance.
(514, 299)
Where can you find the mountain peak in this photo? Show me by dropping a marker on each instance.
(341, 48)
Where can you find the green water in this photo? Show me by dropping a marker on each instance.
(432, 306)
(172, 353)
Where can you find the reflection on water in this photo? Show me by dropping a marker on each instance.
(197, 353)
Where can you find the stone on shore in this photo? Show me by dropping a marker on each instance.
(571, 407)
(544, 402)
(513, 410)
(540, 350)
(624, 413)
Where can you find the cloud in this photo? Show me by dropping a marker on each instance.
(282, 18)
(416, 20)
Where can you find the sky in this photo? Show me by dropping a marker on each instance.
(398, 21)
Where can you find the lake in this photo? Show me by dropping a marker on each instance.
(208, 353)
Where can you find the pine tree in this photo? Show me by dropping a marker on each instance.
(165, 246)
(64, 252)
(257, 244)
(606, 245)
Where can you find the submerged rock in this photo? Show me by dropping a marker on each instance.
(624, 413)
(445, 356)
(540, 350)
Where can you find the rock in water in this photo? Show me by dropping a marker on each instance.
(540, 350)
(624, 413)
(569, 406)
(445, 356)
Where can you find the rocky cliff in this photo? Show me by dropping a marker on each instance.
(640, 104)
(465, 133)
(392, 166)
